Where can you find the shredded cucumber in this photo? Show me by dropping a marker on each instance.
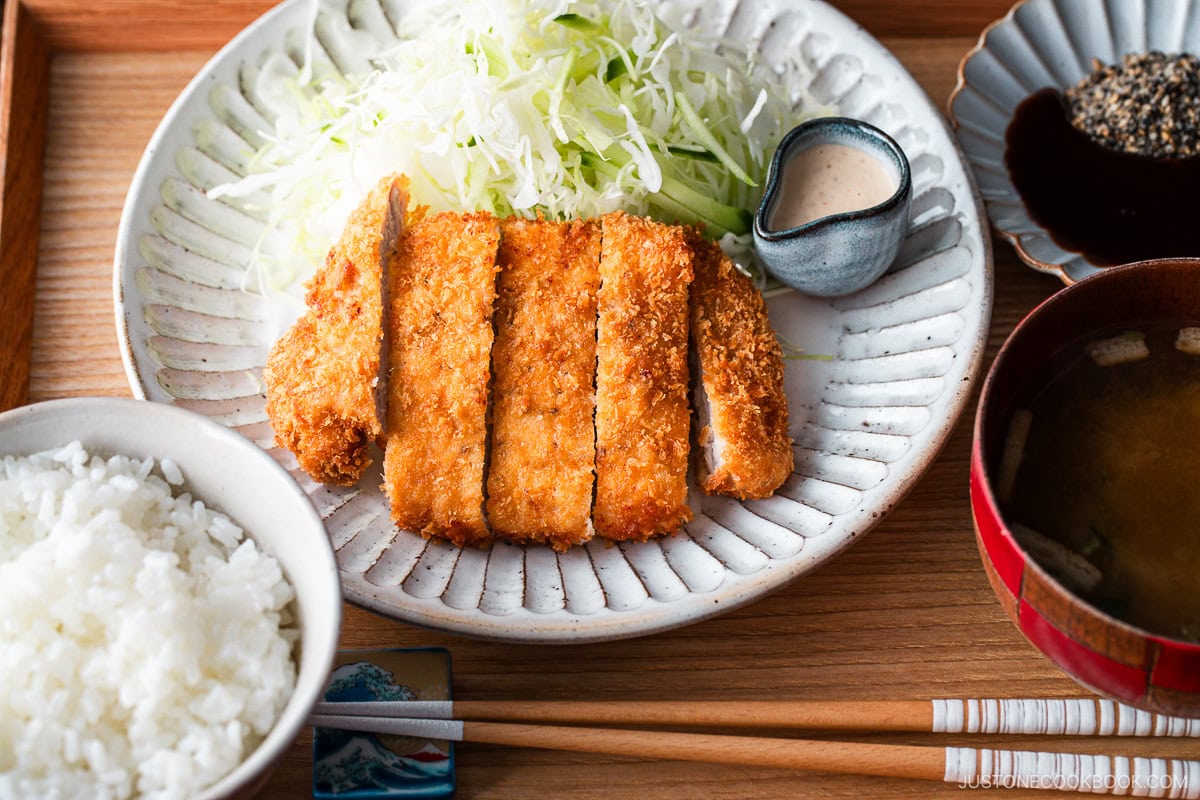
(566, 108)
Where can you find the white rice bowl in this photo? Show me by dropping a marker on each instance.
(146, 644)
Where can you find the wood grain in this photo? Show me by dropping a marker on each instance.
(95, 138)
(157, 26)
(850, 758)
(924, 18)
(169, 25)
(907, 613)
(24, 85)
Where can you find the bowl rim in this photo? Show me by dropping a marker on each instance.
(791, 143)
(256, 765)
(979, 460)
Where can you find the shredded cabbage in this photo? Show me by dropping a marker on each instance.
(567, 108)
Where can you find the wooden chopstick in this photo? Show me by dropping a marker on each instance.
(965, 766)
(1050, 717)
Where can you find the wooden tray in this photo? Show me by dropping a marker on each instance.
(906, 613)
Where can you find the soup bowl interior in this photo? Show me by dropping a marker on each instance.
(1151, 670)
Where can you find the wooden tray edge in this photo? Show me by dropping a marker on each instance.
(24, 90)
(33, 32)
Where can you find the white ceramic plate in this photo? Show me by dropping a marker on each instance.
(866, 424)
(1040, 44)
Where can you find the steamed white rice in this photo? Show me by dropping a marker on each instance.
(145, 645)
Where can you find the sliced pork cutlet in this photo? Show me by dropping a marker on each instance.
(541, 471)
(443, 288)
(741, 408)
(322, 375)
(642, 415)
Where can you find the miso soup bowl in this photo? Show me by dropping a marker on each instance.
(1100, 652)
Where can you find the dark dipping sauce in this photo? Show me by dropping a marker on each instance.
(1112, 207)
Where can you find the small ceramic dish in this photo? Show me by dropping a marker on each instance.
(847, 248)
(1152, 671)
(1043, 44)
(229, 473)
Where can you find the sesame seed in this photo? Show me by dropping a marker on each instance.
(1148, 104)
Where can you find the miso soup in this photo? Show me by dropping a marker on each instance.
(1106, 489)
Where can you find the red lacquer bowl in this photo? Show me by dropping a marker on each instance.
(1104, 654)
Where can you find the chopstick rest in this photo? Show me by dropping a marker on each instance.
(357, 765)
(1049, 717)
(965, 766)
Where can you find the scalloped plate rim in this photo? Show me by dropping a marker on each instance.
(1019, 240)
(1012, 237)
(652, 615)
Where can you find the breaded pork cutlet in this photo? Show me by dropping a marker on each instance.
(541, 472)
(443, 287)
(642, 415)
(322, 375)
(742, 410)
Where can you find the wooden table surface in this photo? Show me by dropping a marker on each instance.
(905, 613)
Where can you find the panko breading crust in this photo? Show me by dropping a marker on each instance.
(642, 413)
(566, 343)
(443, 287)
(322, 374)
(746, 442)
(541, 471)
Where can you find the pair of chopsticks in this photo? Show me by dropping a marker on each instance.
(551, 725)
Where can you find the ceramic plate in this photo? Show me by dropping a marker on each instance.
(866, 423)
(1040, 44)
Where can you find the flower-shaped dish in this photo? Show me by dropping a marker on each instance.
(1049, 44)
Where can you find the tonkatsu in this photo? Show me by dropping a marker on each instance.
(443, 289)
(741, 408)
(541, 472)
(537, 384)
(642, 410)
(322, 375)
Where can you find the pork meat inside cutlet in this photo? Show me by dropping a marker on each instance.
(443, 286)
(322, 375)
(642, 415)
(541, 472)
(742, 410)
